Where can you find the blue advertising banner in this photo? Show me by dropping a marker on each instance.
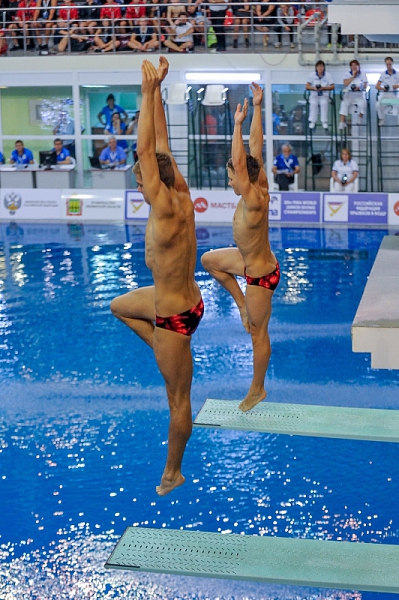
(300, 206)
(355, 208)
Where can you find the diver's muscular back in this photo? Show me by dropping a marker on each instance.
(171, 255)
(250, 230)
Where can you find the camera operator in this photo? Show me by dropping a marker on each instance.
(319, 84)
(387, 85)
(344, 172)
(356, 84)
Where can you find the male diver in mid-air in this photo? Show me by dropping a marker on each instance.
(253, 258)
(174, 302)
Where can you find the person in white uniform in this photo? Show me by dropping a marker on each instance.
(319, 85)
(387, 85)
(356, 84)
(345, 172)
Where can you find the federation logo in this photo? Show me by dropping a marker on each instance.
(200, 205)
(12, 202)
(396, 208)
(74, 207)
(136, 203)
(334, 207)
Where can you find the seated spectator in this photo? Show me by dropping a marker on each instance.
(90, 17)
(266, 14)
(70, 38)
(44, 22)
(183, 40)
(135, 10)
(24, 22)
(21, 155)
(344, 172)
(2, 160)
(319, 84)
(110, 11)
(173, 11)
(276, 119)
(113, 154)
(66, 126)
(105, 39)
(285, 24)
(387, 86)
(242, 17)
(68, 12)
(197, 16)
(108, 110)
(3, 42)
(356, 84)
(285, 167)
(117, 127)
(144, 37)
(63, 155)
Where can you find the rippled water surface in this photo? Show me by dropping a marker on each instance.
(83, 415)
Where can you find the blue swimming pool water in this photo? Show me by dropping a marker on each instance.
(83, 416)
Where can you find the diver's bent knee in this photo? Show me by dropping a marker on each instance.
(205, 259)
(114, 307)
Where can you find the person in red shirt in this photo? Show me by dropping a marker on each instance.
(134, 11)
(44, 22)
(3, 42)
(111, 11)
(67, 13)
(24, 21)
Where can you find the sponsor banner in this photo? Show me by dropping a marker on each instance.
(214, 206)
(355, 208)
(28, 204)
(393, 209)
(300, 206)
(135, 206)
(335, 208)
(92, 205)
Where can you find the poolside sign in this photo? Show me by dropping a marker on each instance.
(135, 206)
(335, 208)
(355, 208)
(19, 204)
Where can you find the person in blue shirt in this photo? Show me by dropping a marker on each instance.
(117, 127)
(63, 155)
(21, 155)
(109, 110)
(113, 154)
(285, 167)
(2, 161)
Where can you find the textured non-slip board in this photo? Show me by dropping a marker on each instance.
(303, 419)
(311, 563)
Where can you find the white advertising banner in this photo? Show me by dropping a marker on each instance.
(92, 205)
(214, 206)
(28, 204)
(135, 206)
(393, 209)
(336, 208)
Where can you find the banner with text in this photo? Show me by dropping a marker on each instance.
(92, 205)
(355, 208)
(28, 204)
(393, 209)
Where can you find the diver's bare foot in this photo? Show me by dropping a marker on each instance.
(252, 400)
(168, 485)
(244, 318)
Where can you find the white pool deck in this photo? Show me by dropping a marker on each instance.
(375, 328)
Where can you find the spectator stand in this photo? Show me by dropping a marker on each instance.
(387, 144)
(358, 139)
(181, 133)
(321, 149)
(215, 134)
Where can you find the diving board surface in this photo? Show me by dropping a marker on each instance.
(375, 328)
(303, 419)
(311, 563)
